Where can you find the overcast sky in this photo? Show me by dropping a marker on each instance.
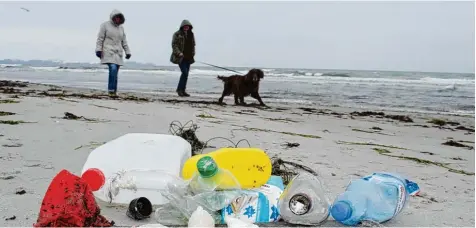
(416, 36)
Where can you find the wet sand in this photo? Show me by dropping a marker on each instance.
(340, 144)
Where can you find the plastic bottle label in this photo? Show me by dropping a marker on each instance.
(401, 199)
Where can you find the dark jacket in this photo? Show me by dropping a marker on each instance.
(178, 43)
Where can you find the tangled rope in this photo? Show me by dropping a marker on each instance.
(279, 168)
(187, 132)
(285, 169)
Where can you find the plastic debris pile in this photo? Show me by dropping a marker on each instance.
(204, 190)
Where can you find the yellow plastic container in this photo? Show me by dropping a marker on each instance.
(250, 166)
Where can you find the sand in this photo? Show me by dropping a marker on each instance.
(33, 152)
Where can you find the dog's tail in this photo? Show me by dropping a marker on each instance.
(223, 78)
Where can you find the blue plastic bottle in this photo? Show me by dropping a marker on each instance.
(378, 198)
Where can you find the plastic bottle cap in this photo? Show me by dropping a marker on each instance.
(207, 167)
(94, 178)
(341, 211)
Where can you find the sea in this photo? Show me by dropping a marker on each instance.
(445, 93)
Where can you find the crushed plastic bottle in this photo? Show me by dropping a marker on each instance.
(376, 198)
(202, 190)
(304, 201)
(130, 184)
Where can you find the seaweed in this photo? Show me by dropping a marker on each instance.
(386, 152)
(8, 101)
(100, 106)
(245, 113)
(91, 145)
(457, 144)
(8, 83)
(291, 145)
(12, 122)
(71, 116)
(283, 132)
(2, 113)
(13, 145)
(400, 118)
(285, 120)
(187, 132)
(370, 144)
(205, 116)
(370, 132)
(280, 168)
(439, 122)
(463, 128)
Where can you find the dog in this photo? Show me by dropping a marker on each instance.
(242, 86)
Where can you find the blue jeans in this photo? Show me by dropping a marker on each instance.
(113, 71)
(185, 68)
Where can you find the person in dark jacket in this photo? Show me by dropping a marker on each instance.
(183, 53)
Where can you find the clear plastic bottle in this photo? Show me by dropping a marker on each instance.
(211, 188)
(125, 186)
(376, 198)
(214, 188)
(304, 201)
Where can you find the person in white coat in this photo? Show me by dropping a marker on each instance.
(111, 45)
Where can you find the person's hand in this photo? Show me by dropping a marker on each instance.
(99, 54)
(128, 56)
(180, 55)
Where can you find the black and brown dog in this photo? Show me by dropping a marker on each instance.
(242, 86)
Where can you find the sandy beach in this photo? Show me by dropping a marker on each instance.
(340, 144)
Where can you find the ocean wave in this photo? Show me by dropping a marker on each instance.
(272, 75)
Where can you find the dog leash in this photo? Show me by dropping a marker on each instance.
(223, 68)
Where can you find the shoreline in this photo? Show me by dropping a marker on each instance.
(445, 102)
(129, 95)
(339, 143)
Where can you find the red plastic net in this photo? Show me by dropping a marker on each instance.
(69, 202)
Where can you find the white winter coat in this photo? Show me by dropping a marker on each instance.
(112, 41)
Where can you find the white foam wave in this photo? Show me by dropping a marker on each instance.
(9, 65)
(447, 80)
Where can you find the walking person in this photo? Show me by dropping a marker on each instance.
(110, 47)
(183, 53)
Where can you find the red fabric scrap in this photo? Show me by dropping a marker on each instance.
(69, 202)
